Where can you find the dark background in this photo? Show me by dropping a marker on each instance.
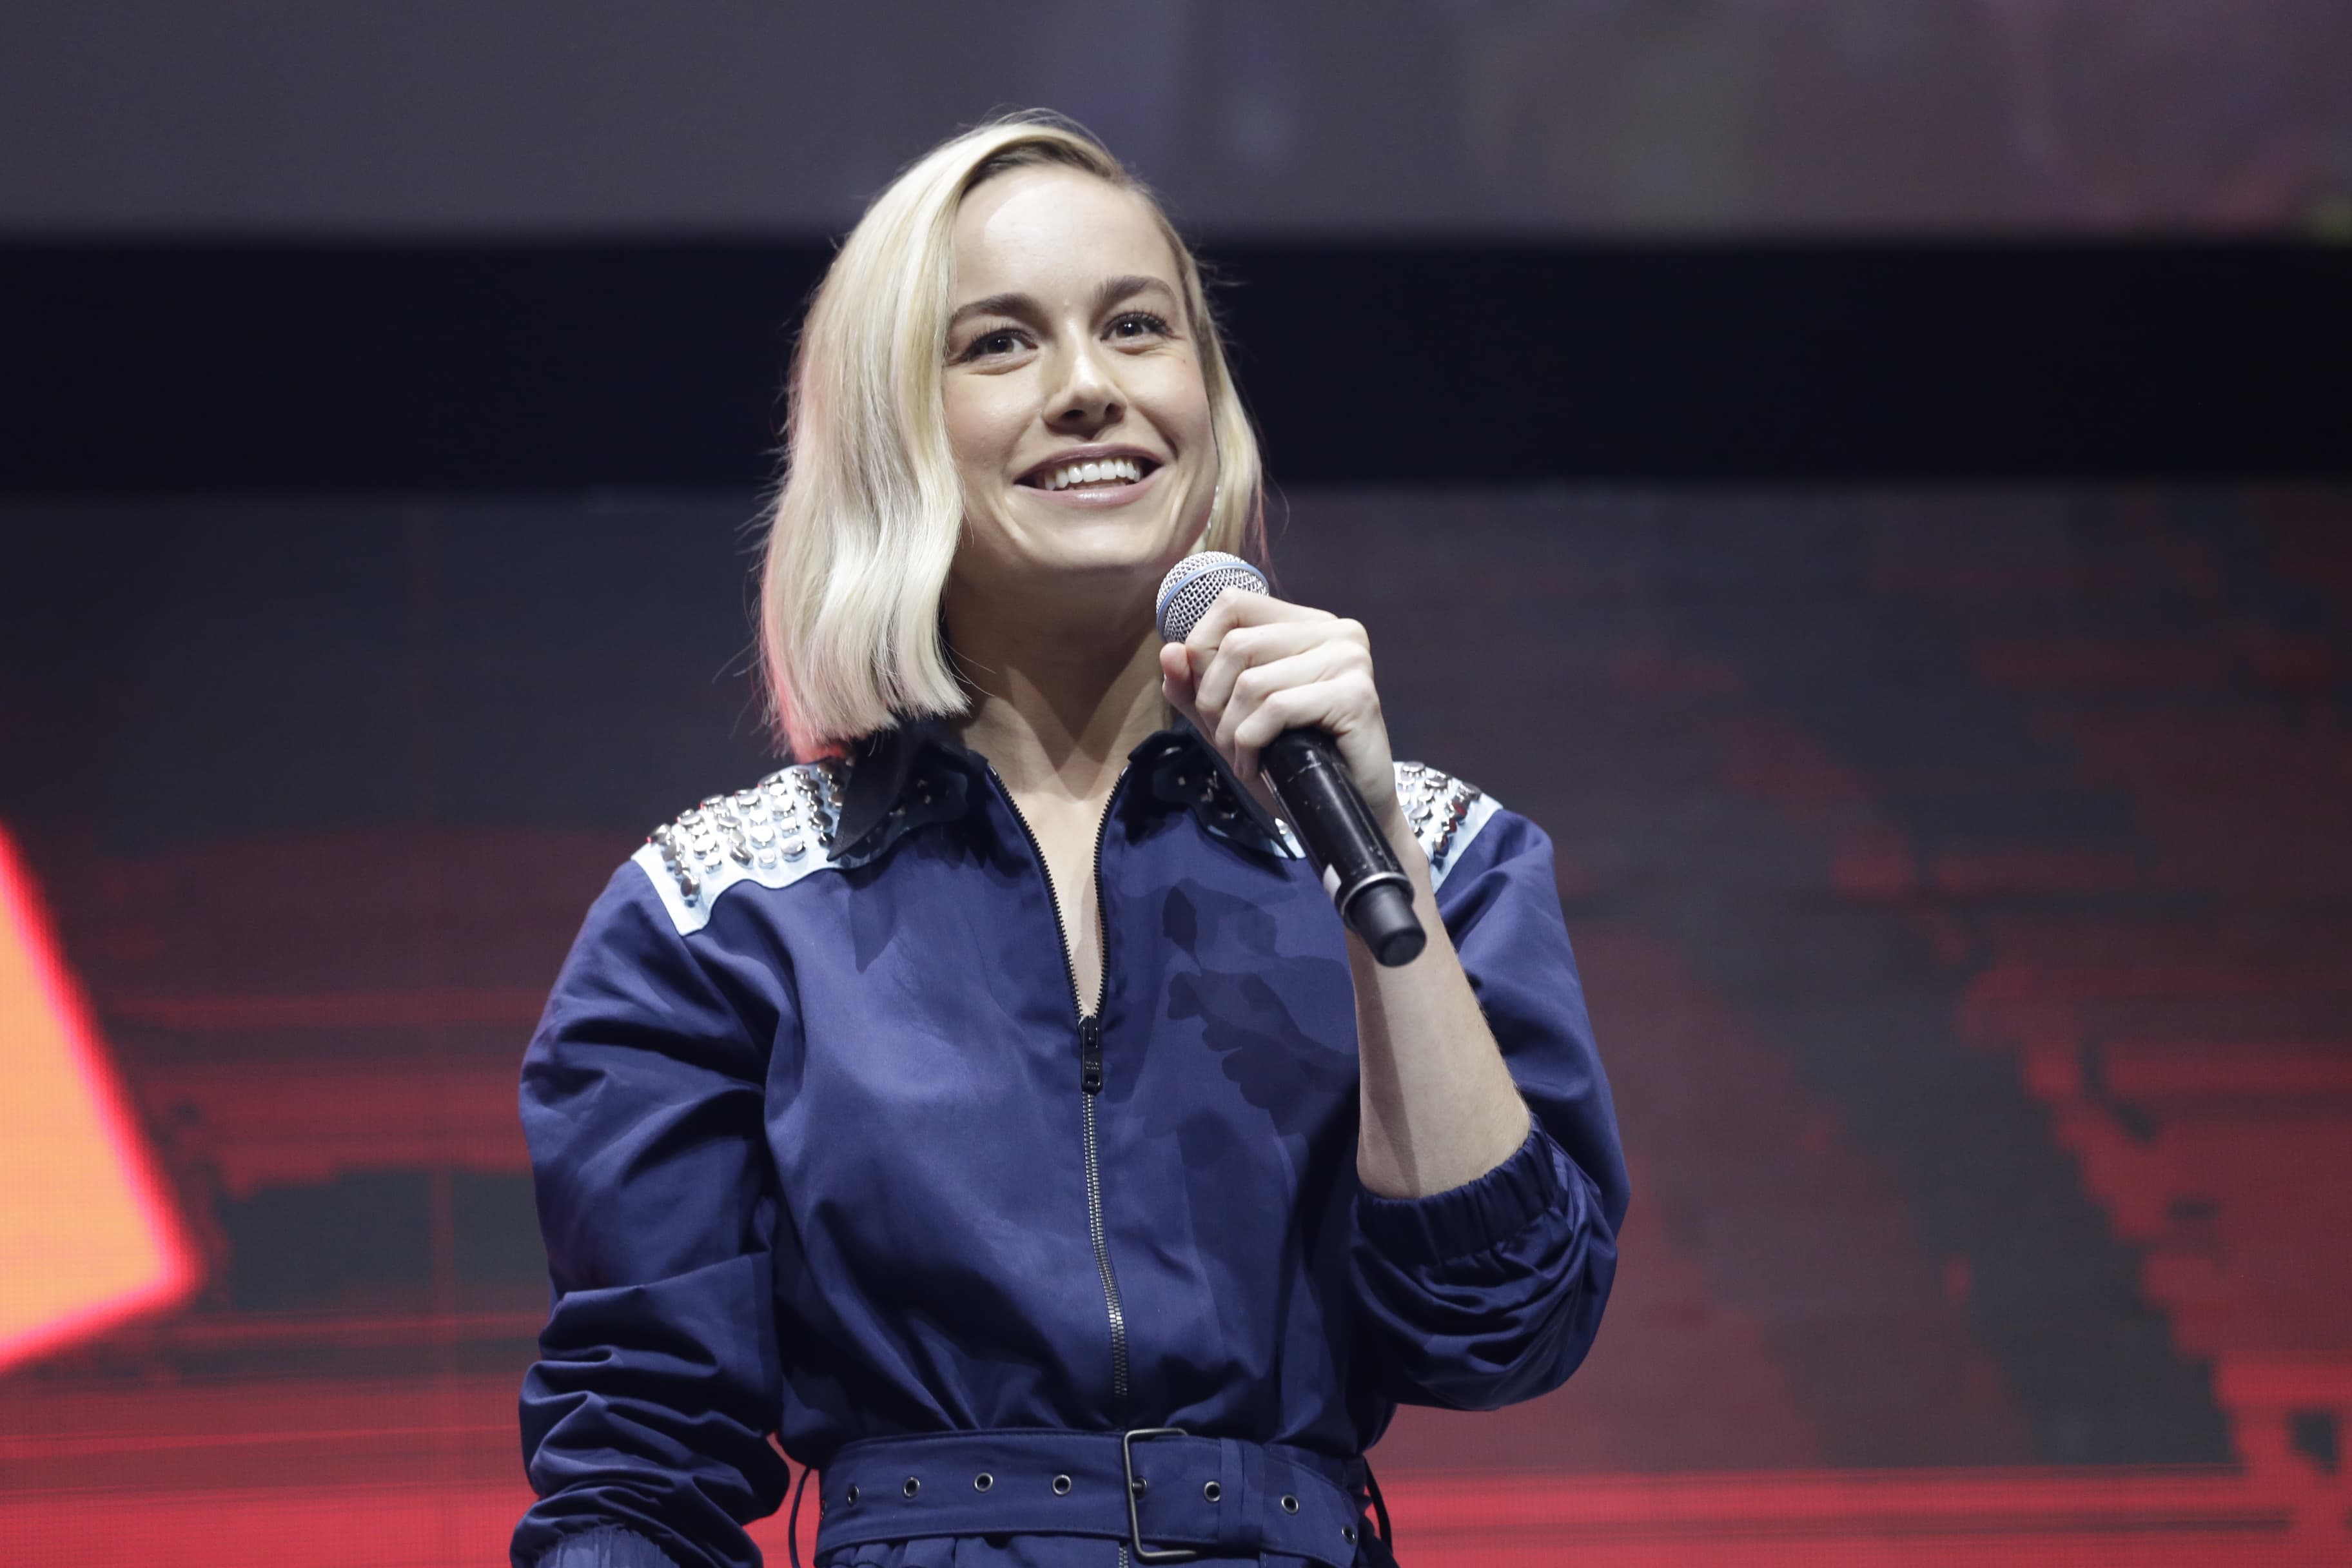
(1871, 481)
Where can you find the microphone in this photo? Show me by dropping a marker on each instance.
(1370, 888)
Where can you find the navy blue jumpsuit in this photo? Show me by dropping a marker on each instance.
(826, 1145)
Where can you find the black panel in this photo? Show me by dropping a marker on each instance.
(188, 367)
(362, 1237)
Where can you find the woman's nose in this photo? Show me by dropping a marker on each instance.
(1087, 397)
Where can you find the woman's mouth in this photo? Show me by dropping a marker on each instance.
(1100, 474)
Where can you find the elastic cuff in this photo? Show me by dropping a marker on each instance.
(607, 1546)
(1476, 1216)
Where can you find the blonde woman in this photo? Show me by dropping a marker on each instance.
(991, 1105)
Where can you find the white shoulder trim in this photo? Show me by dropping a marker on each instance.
(773, 834)
(1445, 813)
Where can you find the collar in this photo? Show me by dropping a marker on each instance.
(920, 771)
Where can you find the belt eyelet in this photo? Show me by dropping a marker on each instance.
(1213, 1491)
(1289, 1503)
(982, 1481)
(1061, 1486)
(911, 1488)
(851, 1495)
(1347, 1534)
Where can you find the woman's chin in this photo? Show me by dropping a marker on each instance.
(1109, 565)
(1113, 543)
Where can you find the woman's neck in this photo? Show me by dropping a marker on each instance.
(1056, 708)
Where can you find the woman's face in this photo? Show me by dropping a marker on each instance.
(1068, 345)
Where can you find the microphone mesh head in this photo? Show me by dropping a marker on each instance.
(1193, 583)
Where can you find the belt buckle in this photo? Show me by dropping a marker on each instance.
(1127, 1441)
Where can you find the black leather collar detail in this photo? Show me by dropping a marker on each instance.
(920, 772)
(901, 778)
(1186, 771)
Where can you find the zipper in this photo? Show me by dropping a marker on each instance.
(1090, 1073)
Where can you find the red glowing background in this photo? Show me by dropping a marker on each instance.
(1961, 881)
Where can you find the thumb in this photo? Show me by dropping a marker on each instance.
(1176, 681)
(1176, 668)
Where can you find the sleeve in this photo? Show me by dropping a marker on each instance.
(645, 1420)
(1492, 1292)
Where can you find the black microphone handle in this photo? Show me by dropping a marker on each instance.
(1336, 828)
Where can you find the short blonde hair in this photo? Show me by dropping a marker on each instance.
(865, 524)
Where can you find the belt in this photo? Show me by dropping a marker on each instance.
(1168, 1495)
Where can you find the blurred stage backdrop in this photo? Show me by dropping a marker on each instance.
(1874, 480)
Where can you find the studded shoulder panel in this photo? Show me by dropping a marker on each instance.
(774, 833)
(1444, 812)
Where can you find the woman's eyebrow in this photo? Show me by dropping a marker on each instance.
(1114, 289)
(1110, 292)
(1020, 305)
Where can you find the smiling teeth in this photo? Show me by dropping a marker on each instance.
(1126, 470)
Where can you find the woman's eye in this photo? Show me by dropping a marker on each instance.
(1003, 341)
(1139, 324)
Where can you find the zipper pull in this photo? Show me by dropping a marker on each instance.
(1090, 1054)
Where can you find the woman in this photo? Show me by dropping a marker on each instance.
(992, 1105)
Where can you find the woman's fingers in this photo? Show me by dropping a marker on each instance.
(1255, 667)
(1313, 706)
(1245, 630)
(1176, 684)
(1337, 670)
(1232, 609)
(1246, 648)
